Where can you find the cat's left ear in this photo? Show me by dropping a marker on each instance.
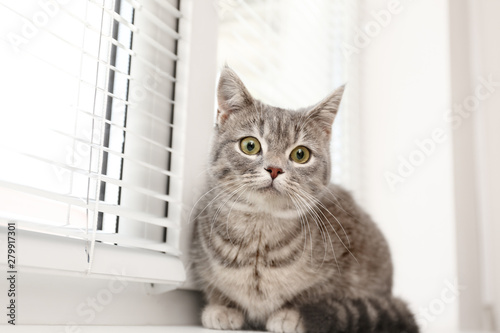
(323, 114)
(232, 95)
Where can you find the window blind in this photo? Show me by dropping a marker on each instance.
(88, 129)
(289, 54)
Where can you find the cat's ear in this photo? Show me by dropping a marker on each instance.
(232, 95)
(323, 114)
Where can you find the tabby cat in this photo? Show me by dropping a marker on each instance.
(276, 246)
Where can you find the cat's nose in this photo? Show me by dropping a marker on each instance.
(275, 172)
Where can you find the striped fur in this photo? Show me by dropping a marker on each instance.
(362, 315)
(294, 253)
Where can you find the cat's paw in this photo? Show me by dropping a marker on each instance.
(222, 318)
(286, 321)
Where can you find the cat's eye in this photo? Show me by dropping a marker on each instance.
(300, 155)
(250, 145)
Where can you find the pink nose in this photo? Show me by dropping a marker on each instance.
(274, 171)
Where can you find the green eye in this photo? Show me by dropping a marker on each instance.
(300, 154)
(250, 145)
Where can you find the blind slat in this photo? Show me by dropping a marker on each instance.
(164, 4)
(105, 179)
(24, 223)
(159, 23)
(112, 41)
(136, 216)
(117, 17)
(128, 131)
(112, 152)
(86, 173)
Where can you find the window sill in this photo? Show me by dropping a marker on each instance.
(108, 329)
(135, 329)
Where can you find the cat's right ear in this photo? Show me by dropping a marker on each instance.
(232, 95)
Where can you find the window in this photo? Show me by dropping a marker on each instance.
(289, 54)
(89, 129)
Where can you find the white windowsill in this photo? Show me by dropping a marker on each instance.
(132, 329)
(108, 329)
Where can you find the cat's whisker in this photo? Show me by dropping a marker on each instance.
(337, 202)
(303, 218)
(318, 202)
(203, 171)
(228, 183)
(323, 237)
(313, 199)
(306, 222)
(317, 219)
(302, 223)
(229, 213)
(214, 219)
(308, 211)
(230, 195)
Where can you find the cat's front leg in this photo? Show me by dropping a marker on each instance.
(286, 320)
(221, 317)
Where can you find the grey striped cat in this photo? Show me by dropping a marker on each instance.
(276, 246)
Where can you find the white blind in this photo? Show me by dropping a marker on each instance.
(87, 122)
(289, 54)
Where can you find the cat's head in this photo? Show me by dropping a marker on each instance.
(268, 153)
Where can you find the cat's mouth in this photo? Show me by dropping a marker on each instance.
(270, 188)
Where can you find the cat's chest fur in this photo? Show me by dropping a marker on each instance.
(264, 262)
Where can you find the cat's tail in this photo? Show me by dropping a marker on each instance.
(363, 315)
